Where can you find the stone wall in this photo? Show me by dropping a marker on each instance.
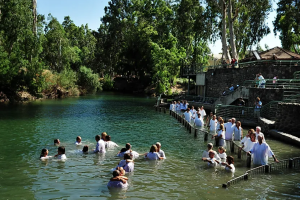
(218, 79)
(266, 95)
(288, 118)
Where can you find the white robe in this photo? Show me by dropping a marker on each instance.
(213, 125)
(152, 156)
(187, 116)
(230, 170)
(237, 133)
(199, 122)
(261, 152)
(229, 128)
(203, 113)
(248, 144)
(222, 138)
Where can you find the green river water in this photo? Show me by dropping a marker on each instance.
(26, 129)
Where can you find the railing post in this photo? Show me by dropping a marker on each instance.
(182, 121)
(246, 176)
(170, 112)
(291, 163)
(195, 133)
(231, 146)
(190, 128)
(267, 168)
(205, 136)
(240, 153)
(224, 185)
(165, 110)
(248, 160)
(217, 142)
(156, 108)
(160, 109)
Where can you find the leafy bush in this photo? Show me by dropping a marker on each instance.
(66, 79)
(108, 83)
(88, 80)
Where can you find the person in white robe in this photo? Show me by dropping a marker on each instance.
(213, 124)
(78, 140)
(205, 153)
(153, 155)
(211, 160)
(117, 181)
(229, 164)
(100, 146)
(222, 153)
(61, 153)
(110, 144)
(127, 164)
(249, 143)
(193, 114)
(199, 121)
(127, 149)
(229, 129)
(258, 131)
(202, 112)
(178, 107)
(238, 131)
(221, 134)
(160, 152)
(187, 115)
(261, 152)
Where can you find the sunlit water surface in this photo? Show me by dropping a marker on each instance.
(26, 129)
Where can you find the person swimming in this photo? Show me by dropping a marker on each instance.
(56, 142)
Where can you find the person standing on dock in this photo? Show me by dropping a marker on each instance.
(261, 152)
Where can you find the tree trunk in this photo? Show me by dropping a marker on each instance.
(231, 31)
(224, 42)
(34, 28)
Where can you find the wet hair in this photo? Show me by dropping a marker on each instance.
(127, 156)
(230, 160)
(78, 138)
(222, 127)
(97, 137)
(85, 149)
(210, 145)
(43, 152)
(153, 148)
(123, 150)
(116, 173)
(252, 131)
(107, 138)
(62, 149)
(238, 122)
(104, 134)
(222, 148)
(56, 141)
(128, 146)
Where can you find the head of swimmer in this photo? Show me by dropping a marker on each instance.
(56, 142)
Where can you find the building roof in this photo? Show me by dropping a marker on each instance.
(276, 53)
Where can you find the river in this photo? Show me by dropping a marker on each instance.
(26, 129)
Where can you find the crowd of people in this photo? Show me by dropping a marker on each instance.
(253, 142)
(103, 142)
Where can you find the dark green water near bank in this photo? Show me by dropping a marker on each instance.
(26, 129)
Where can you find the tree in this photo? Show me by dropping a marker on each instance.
(287, 23)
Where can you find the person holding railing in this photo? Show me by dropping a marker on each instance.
(238, 131)
(221, 134)
(261, 152)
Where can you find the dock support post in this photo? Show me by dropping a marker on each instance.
(196, 132)
(248, 160)
(239, 153)
(205, 136)
(291, 163)
(231, 146)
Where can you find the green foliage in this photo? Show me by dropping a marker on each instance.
(88, 80)
(66, 79)
(107, 83)
(287, 23)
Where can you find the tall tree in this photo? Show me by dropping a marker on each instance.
(287, 23)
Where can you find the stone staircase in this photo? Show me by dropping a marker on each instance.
(230, 98)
